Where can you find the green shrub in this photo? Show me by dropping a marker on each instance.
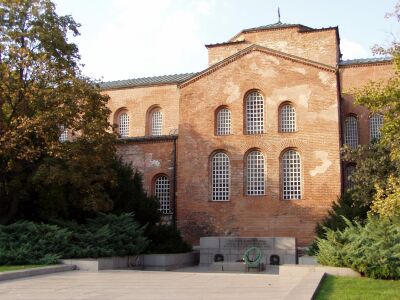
(166, 239)
(344, 207)
(372, 249)
(30, 243)
(107, 235)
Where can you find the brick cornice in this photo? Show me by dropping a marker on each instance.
(148, 139)
(366, 64)
(258, 48)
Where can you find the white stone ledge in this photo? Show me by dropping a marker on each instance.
(35, 271)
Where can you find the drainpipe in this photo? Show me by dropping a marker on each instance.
(174, 184)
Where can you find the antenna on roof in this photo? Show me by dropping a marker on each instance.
(279, 15)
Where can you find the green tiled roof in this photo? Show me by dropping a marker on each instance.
(275, 25)
(361, 61)
(156, 80)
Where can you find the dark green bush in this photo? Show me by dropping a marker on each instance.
(30, 243)
(344, 207)
(166, 239)
(107, 235)
(372, 249)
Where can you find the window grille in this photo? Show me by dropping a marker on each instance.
(291, 166)
(123, 125)
(163, 194)
(254, 113)
(375, 126)
(255, 173)
(288, 118)
(156, 122)
(351, 132)
(64, 134)
(224, 122)
(348, 182)
(220, 177)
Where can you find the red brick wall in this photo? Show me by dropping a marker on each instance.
(150, 158)
(320, 45)
(353, 77)
(314, 94)
(139, 100)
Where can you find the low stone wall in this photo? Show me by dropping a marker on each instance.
(35, 271)
(146, 261)
(233, 248)
(166, 262)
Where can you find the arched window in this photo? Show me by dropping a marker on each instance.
(254, 113)
(287, 118)
(291, 175)
(156, 122)
(255, 173)
(375, 126)
(351, 132)
(220, 172)
(224, 121)
(64, 134)
(348, 182)
(162, 193)
(123, 124)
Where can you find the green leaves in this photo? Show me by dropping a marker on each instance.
(373, 249)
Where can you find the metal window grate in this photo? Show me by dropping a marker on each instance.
(375, 126)
(156, 123)
(288, 118)
(220, 177)
(348, 182)
(224, 122)
(351, 132)
(255, 173)
(254, 113)
(291, 167)
(163, 194)
(64, 134)
(123, 125)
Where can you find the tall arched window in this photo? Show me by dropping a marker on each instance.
(287, 118)
(220, 181)
(156, 122)
(351, 132)
(223, 121)
(375, 126)
(64, 134)
(255, 173)
(254, 113)
(348, 182)
(162, 193)
(123, 124)
(291, 175)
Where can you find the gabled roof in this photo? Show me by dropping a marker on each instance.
(249, 49)
(365, 61)
(279, 25)
(145, 81)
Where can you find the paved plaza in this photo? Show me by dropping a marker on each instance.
(127, 284)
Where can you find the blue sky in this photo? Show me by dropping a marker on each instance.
(123, 39)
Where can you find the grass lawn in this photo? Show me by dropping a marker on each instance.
(343, 288)
(14, 268)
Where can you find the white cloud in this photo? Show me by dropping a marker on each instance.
(351, 50)
(147, 38)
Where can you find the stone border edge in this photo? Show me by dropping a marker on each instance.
(35, 272)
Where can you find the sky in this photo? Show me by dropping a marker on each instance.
(123, 39)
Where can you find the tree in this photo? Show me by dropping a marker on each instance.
(43, 91)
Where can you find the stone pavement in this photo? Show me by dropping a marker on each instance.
(127, 284)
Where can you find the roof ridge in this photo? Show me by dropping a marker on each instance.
(143, 81)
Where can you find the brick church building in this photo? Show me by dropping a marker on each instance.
(249, 146)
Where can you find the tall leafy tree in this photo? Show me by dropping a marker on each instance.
(42, 92)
